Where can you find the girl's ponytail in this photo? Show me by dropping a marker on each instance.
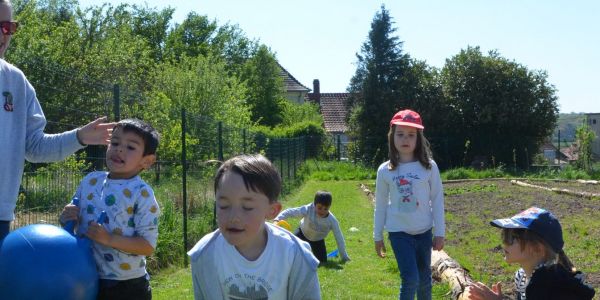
(565, 261)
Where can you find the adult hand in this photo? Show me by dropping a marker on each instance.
(438, 243)
(380, 248)
(479, 291)
(96, 132)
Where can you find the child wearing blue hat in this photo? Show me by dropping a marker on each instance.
(533, 239)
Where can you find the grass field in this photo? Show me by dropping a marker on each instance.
(470, 239)
(366, 276)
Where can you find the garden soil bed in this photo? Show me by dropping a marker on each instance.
(493, 199)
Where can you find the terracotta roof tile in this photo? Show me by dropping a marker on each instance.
(334, 109)
(291, 83)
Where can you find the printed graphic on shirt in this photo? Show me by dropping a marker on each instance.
(8, 101)
(406, 203)
(247, 286)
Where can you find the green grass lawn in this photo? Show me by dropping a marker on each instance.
(366, 276)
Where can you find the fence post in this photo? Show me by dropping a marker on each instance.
(281, 157)
(184, 185)
(244, 140)
(220, 139)
(116, 102)
(287, 152)
(295, 162)
(339, 148)
(157, 170)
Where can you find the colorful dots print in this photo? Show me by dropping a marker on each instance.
(153, 209)
(127, 193)
(90, 196)
(130, 210)
(90, 209)
(125, 266)
(145, 193)
(93, 181)
(110, 200)
(118, 231)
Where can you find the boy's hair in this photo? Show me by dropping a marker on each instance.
(143, 130)
(422, 149)
(323, 197)
(527, 237)
(258, 173)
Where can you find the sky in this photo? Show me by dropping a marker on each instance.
(319, 39)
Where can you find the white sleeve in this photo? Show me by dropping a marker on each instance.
(339, 237)
(293, 212)
(437, 201)
(303, 281)
(382, 195)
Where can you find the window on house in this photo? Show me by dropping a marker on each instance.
(594, 121)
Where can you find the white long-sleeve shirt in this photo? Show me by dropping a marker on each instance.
(314, 227)
(409, 199)
(22, 124)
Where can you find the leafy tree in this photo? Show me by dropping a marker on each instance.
(191, 38)
(375, 87)
(502, 108)
(265, 88)
(294, 113)
(153, 26)
(585, 137)
(231, 43)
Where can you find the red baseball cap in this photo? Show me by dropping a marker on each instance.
(407, 117)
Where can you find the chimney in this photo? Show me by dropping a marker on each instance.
(317, 91)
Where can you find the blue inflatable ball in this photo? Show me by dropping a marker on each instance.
(46, 262)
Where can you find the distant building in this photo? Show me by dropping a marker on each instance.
(295, 91)
(593, 121)
(333, 106)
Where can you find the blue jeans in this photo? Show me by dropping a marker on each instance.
(413, 255)
(4, 229)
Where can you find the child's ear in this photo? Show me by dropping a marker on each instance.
(274, 211)
(148, 160)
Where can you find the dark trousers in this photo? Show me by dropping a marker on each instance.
(317, 247)
(132, 289)
(4, 229)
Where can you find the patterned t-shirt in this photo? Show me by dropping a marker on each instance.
(520, 284)
(131, 210)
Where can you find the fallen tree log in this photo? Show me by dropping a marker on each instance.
(446, 269)
(557, 190)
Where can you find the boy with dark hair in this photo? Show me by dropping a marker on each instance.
(316, 223)
(130, 230)
(246, 257)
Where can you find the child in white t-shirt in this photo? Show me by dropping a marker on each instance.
(247, 257)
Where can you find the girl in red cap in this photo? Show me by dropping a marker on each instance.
(409, 204)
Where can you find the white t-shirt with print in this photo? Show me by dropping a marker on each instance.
(131, 210)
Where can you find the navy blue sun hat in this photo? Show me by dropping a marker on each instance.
(538, 220)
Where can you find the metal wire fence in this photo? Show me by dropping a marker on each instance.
(183, 185)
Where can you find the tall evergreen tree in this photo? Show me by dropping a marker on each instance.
(375, 87)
